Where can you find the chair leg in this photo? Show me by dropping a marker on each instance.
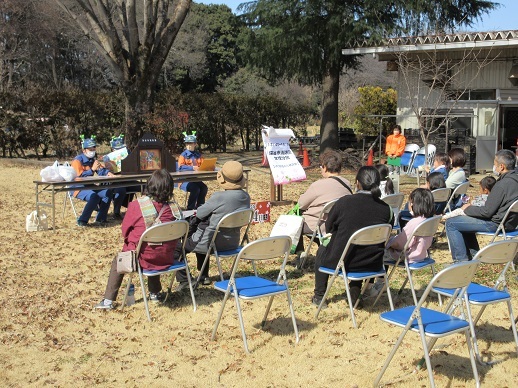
(241, 322)
(472, 359)
(189, 281)
(329, 284)
(390, 357)
(389, 295)
(267, 310)
(220, 314)
(205, 262)
(426, 353)
(127, 291)
(292, 311)
(304, 255)
(142, 286)
(513, 323)
(351, 307)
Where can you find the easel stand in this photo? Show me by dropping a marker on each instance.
(276, 194)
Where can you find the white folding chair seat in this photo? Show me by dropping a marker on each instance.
(167, 231)
(370, 235)
(317, 233)
(432, 323)
(395, 201)
(503, 253)
(426, 228)
(237, 219)
(253, 287)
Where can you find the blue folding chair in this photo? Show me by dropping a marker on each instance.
(370, 235)
(395, 201)
(426, 228)
(433, 323)
(500, 231)
(158, 234)
(501, 252)
(408, 157)
(254, 287)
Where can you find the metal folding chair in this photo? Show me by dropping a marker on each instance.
(395, 201)
(235, 220)
(459, 190)
(500, 231)
(69, 196)
(167, 231)
(501, 252)
(426, 228)
(433, 323)
(317, 233)
(254, 287)
(370, 235)
(408, 157)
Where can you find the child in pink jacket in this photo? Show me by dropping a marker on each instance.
(421, 206)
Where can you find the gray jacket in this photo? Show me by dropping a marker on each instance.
(504, 193)
(219, 205)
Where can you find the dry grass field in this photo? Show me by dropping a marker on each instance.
(51, 335)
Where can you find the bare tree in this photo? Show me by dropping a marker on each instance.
(134, 38)
(433, 83)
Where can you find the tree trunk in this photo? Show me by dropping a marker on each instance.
(138, 103)
(329, 124)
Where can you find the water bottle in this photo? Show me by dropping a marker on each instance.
(130, 300)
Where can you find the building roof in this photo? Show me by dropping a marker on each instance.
(447, 42)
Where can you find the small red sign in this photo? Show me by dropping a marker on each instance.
(261, 212)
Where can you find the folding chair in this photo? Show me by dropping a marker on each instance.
(158, 234)
(408, 157)
(501, 252)
(432, 323)
(459, 190)
(253, 287)
(317, 233)
(430, 156)
(237, 219)
(395, 201)
(69, 195)
(370, 235)
(426, 228)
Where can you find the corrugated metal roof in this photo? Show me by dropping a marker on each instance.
(437, 42)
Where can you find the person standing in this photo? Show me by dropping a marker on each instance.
(86, 165)
(395, 147)
(191, 160)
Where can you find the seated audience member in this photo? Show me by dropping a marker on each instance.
(159, 190)
(386, 184)
(190, 160)
(457, 175)
(86, 165)
(486, 185)
(421, 205)
(348, 215)
(320, 192)
(232, 198)
(119, 193)
(441, 163)
(461, 230)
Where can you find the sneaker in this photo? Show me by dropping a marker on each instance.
(182, 286)
(104, 306)
(374, 290)
(157, 298)
(205, 280)
(316, 301)
(82, 224)
(117, 216)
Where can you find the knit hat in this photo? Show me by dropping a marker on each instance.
(189, 138)
(88, 143)
(117, 142)
(231, 177)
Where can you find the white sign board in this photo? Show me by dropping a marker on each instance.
(284, 165)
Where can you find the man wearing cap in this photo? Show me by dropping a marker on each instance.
(86, 165)
(221, 203)
(190, 160)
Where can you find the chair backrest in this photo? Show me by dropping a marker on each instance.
(431, 154)
(236, 219)
(500, 252)
(265, 249)
(427, 228)
(411, 147)
(326, 209)
(394, 201)
(459, 190)
(370, 235)
(501, 228)
(419, 158)
(441, 195)
(456, 276)
(167, 231)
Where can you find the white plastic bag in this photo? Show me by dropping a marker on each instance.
(67, 172)
(289, 225)
(51, 173)
(35, 222)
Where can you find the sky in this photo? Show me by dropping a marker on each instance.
(504, 18)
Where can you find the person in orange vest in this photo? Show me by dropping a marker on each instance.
(395, 148)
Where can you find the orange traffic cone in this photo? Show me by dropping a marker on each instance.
(301, 151)
(305, 161)
(370, 158)
(264, 161)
